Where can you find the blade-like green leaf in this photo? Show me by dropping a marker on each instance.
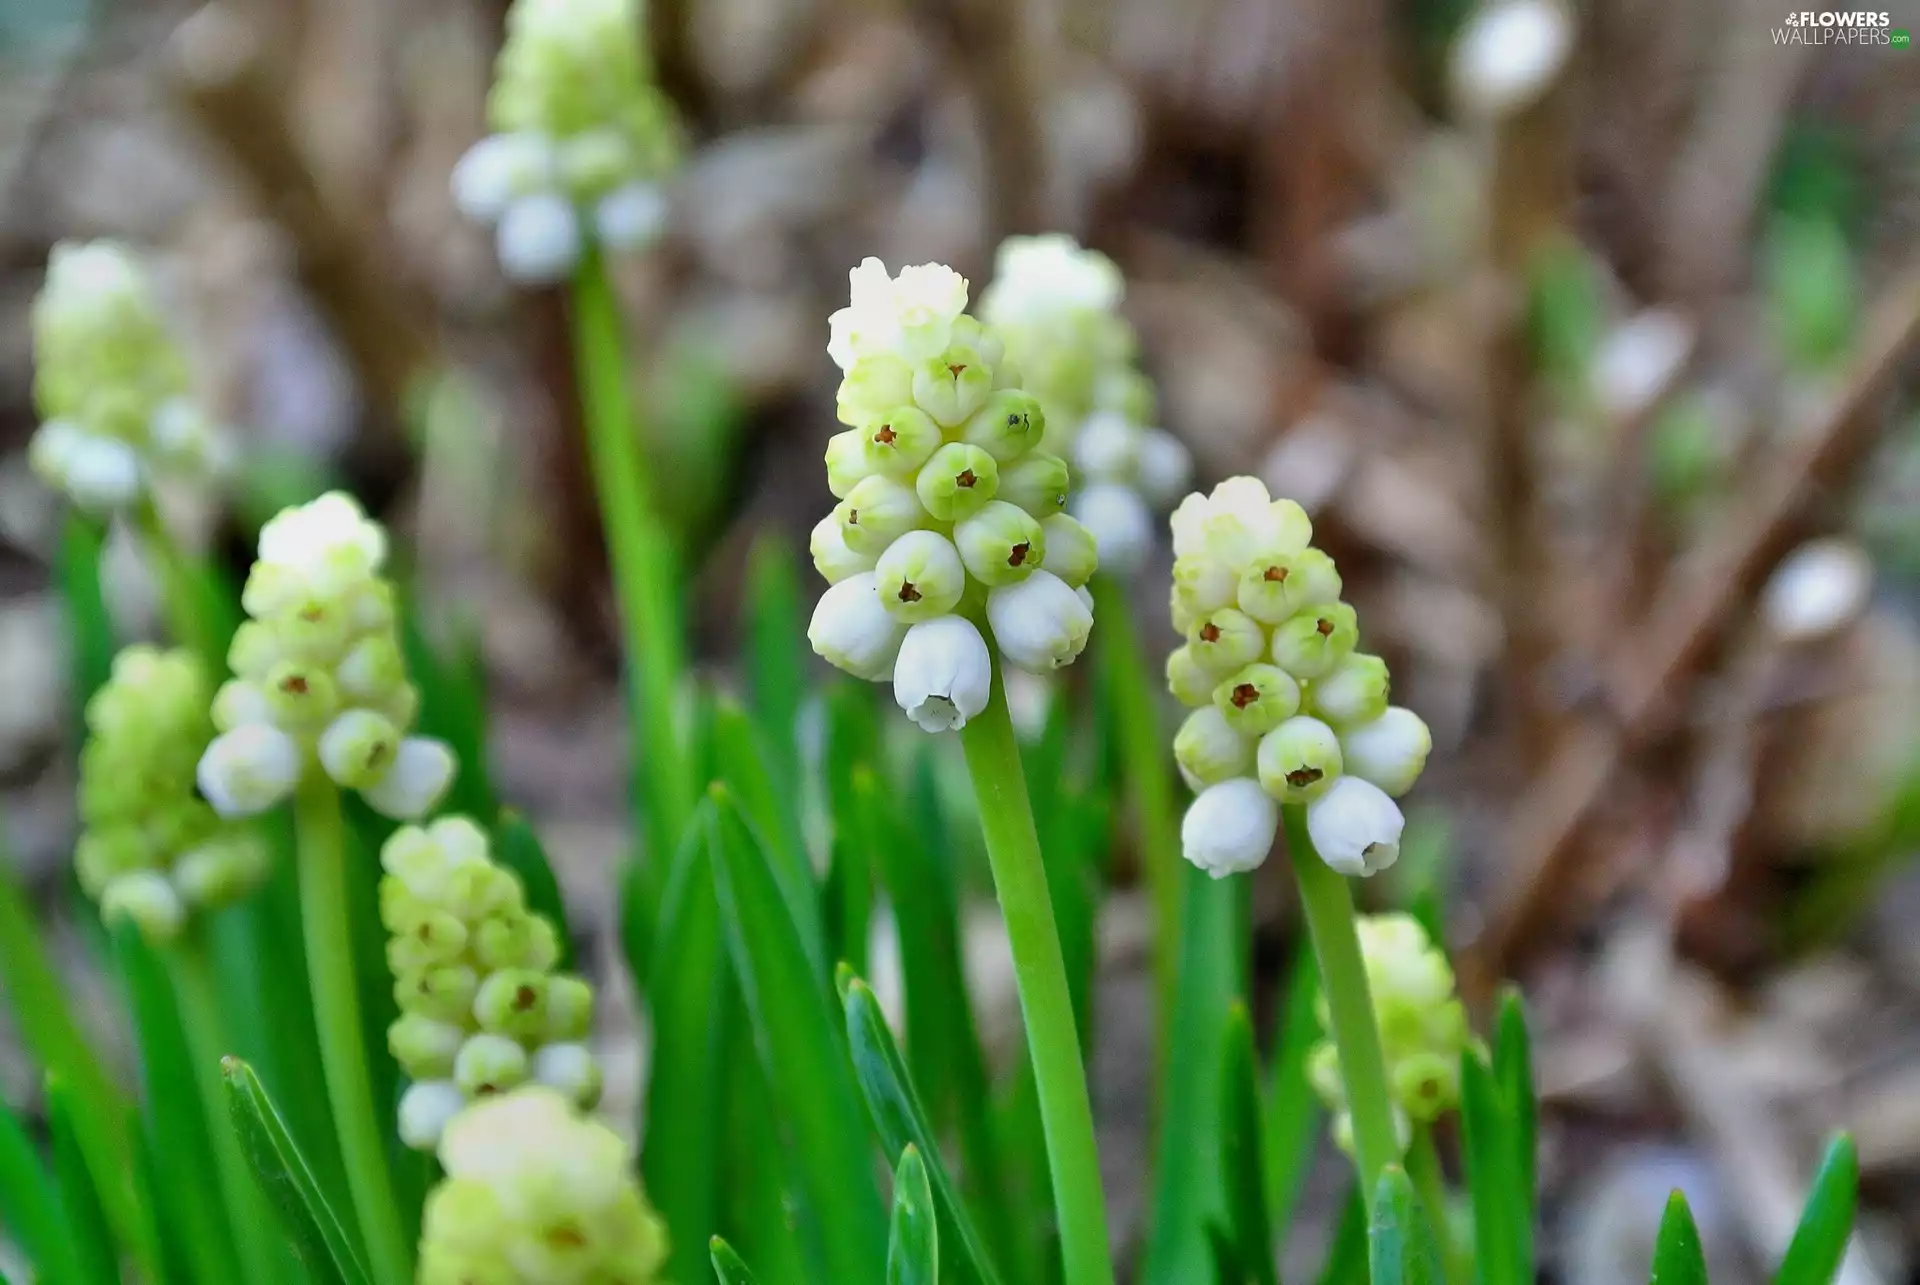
(1226, 1263)
(93, 1245)
(29, 1207)
(159, 1226)
(318, 1236)
(800, 1050)
(913, 1243)
(1346, 1262)
(1292, 1108)
(517, 847)
(1240, 1141)
(685, 996)
(1513, 1070)
(89, 624)
(902, 1122)
(757, 1203)
(1677, 1257)
(769, 813)
(1820, 1241)
(727, 1265)
(775, 676)
(1499, 1200)
(1401, 1242)
(1188, 1187)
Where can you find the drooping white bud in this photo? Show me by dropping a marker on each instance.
(568, 1068)
(854, 631)
(538, 240)
(422, 770)
(631, 217)
(103, 473)
(1390, 751)
(1071, 552)
(249, 769)
(425, 1111)
(1040, 623)
(1355, 827)
(497, 170)
(1230, 827)
(831, 556)
(1121, 525)
(944, 673)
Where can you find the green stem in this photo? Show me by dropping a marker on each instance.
(1143, 750)
(1423, 1167)
(1020, 878)
(641, 557)
(247, 1211)
(193, 617)
(1328, 904)
(336, 1011)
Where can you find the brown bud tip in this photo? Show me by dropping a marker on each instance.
(886, 435)
(908, 593)
(1244, 695)
(1209, 633)
(1018, 554)
(966, 479)
(1303, 776)
(1324, 626)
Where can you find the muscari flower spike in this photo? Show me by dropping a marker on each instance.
(1057, 307)
(151, 851)
(1423, 1026)
(319, 684)
(111, 383)
(537, 1194)
(1285, 710)
(583, 140)
(949, 513)
(481, 1008)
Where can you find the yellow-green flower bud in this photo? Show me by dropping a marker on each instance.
(513, 1001)
(874, 388)
(920, 577)
(358, 748)
(957, 481)
(1355, 691)
(1210, 751)
(1037, 482)
(445, 993)
(1071, 552)
(848, 462)
(569, 1008)
(1003, 544)
(900, 443)
(1299, 760)
(1280, 585)
(1008, 426)
(1222, 641)
(952, 386)
(147, 900)
(425, 1048)
(1191, 682)
(569, 1069)
(1311, 644)
(878, 511)
(1256, 699)
(488, 1064)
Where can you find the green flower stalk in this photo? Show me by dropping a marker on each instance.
(481, 1009)
(151, 851)
(583, 140)
(537, 1194)
(111, 383)
(1056, 306)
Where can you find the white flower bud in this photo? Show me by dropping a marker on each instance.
(358, 748)
(1202, 584)
(873, 389)
(1209, 751)
(249, 769)
(103, 473)
(1107, 448)
(237, 702)
(876, 513)
(854, 631)
(1390, 751)
(1002, 544)
(1037, 482)
(848, 462)
(1278, 586)
(569, 1069)
(1229, 828)
(905, 439)
(1191, 682)
(1354, 691)
(180, 431)
(631, 217)
(1225, 640)
(831, 556)
(425, 1111)
(952, 386)
(1508, 54)
(1257, 699)
(1085, 595)
(1299, 759)
(1163, 468)
(1071, 553)
(1312, 643)
(422, 770)
(51, 450)
(145, 899)
(1039, 623)
(498, 169)
(943, 675)
(1007, 427)
(1355, 827)
(538, 239)
(1821, 587)
(920, 577)
(957, 481)
(1121, 525)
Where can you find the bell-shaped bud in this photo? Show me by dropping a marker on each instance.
(1229, 828)
(569, 1008)
(944, 674)
(444, 994)
(1210, 751)
(1071, 552)
(249, 769)
(831, 556)
(147, 900)
(422, 770)
(489, 1064)
(1355, 827)
(499, 168)
(1009, 425)
(873, 388)
(1225, 640)
(1190, 682)
(1037, 482)
(1278, 586)
(1040, 623)
(358, 748)
(426, 1109)
(1257, 698)
(877, 512)
(952, 386)
(1311, 644)
(920, 577)
(903, 441)
(1299, 759)
(957, 481)
(1354, 691)
(538, 239)
(1002, 544)
(1390, 751)
(569, 1069)
(848, 462)
(424, 1046)
(631, 216)
(513, 1001)
(853, 629)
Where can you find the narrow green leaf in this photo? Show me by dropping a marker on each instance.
(775, 676)
(686, 1000)
(1513, 1070)
(758, 1209)
(1346, 1262)
(1240, 1141)
(318, 1237)
(1677, 1256)
(1189, 1190)
(902, 1122)
(743, 768)
(518, 847)
(160, 1226)
(1820, 1241)
(1074, 836)
(1292, 1108)
(29, 1207)
(727, 1265)
(95, 1261)
(913, 1243)
(1492, 1176)
(1226, 1263)
(1401, 1242)
(800, 1050)
(89, 624)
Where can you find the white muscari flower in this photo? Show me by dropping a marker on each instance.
(248, 770)
(1071, 552)
(853, 629)
(1121, 525)
(1390, 751)
(943, 675)
(1040, 623)
(499, 169)
(1355, 827)
(538, 240)
(422, 770)
(426, 1109)
(920, 577)
(909, 316)
(1035, 275)
(878, 511)
(831, 556)
(1229, 829)
(1002, 544)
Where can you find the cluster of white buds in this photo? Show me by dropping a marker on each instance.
(151, 851)
(110, 382)
(481, 1009)
(319, 682)
(583, 139)
(949, 512)
(1423, 1026)
(1285, 710)
(537, 1194)
(1057, 307)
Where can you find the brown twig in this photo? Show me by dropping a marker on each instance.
(1689, 620)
